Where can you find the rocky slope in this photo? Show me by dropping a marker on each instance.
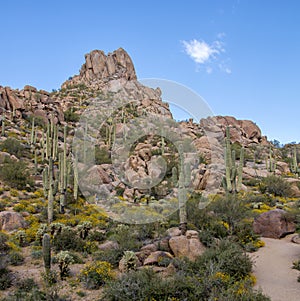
(113, 75)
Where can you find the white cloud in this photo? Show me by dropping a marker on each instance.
(204, 54)
(200, 51)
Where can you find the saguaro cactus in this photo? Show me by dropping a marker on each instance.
(271, 163)
(47, 252)
(294, 165)
(233, 176)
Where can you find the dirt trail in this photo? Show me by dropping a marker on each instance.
(273, 269)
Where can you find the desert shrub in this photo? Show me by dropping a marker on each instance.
(102, 156)
(275, 185)
(113, 256)
(71, 116)
(96, 236)
(6, 278)
(96, 274)
(37, 254)
(2, 205)
(126, 237)
(16, 174)
(33, 295)
(16, 258)
(3, 243)
(12, 146)
(230, 210)
(227, 257)
(133, 286)
(68, 239)
(26, 285)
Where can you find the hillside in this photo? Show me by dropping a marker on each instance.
(102, 192)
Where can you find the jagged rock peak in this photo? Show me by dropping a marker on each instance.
(100, 68)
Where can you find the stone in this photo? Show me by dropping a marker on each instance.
(187, 245)
(283, 167)
(156, 257)
(174, 231)
(296, 239)
(10, 221)
(149, 248)
(109, 245)
(273, 224)
(4, 156)
(294, 187)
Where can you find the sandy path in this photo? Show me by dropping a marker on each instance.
(272, 268)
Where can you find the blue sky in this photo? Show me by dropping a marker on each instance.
(241, 56)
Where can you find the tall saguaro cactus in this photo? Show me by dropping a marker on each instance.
(234, 173)
(46, 252)
(294, 165)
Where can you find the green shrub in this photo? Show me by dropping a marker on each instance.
(12, 146)
(6, 278)
(68, 239)
(275, 185)
(71, 116)
(26, 285)
(113, 256)
(126, 237)
(16, 174)
(102, 156)
(16, 258)
(95, 274)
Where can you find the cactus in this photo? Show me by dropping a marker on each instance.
(128, 262)
(32, 132)
(46, 180)
(75, 187)
(233, 174)
(21, 237)
(271, 163)
(43, 228)
(35, 162)
(174, 176)
(47, 252)
(50, 193)
(240, 170)
(84, 229)
(64, 259)
(3, 126)
(294, 165)
(182, 200)
(56, 228)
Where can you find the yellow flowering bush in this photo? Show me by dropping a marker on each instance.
(95, 274)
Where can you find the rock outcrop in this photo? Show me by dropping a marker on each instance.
(273, 224)
(99, 68)
(187, 245)
(10, 221)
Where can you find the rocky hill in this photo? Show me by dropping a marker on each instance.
(104, 145)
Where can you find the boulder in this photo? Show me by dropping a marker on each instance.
(273, 224)
(187, 245)
(109, 245)
(296, 239)
(156, 257)
(174, 231)
(4, 156)
(10, 221)
(283, 167)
